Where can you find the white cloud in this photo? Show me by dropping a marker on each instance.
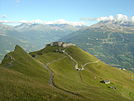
(33, 21)
(59, 21)
(121, 17)
(132, 18)
(88, 19)
(105, 18)
(18, 1)
(6, 21)
(62, 21)
(3, 16)
(118, 17)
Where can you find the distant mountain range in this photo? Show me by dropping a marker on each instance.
(111, 41)
(32, 36)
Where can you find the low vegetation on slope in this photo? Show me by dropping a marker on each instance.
(22, 78)
(86, 82)
(62, 74)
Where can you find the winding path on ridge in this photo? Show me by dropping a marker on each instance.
(76, 63)
(51, 79)
(82, 66)
(90, 63)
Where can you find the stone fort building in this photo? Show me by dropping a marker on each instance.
(61, 44)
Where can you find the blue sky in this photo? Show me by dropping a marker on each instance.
(71, 10)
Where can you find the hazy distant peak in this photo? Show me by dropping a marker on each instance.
(113, 26)
(45, 27)
(121, 23)
(38, 21)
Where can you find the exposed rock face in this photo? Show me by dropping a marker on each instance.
(61, 44)
(8, 58)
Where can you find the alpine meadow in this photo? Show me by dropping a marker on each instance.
(66, 50)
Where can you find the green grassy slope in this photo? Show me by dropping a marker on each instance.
(23, 78)
(87, 82)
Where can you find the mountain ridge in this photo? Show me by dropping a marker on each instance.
(70, 83)
(114, 26)
(32, 36)
(108, 44)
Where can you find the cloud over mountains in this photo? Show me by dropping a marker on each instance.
(118, 17)
(59, 21)
(3, 16)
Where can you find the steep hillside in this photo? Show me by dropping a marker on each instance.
(8, 43)
(110, 42)
(24, 78)
(78, 72)
(58, 73)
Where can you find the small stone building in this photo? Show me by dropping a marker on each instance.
(79, 69)
(105, 81)
(61, 44)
